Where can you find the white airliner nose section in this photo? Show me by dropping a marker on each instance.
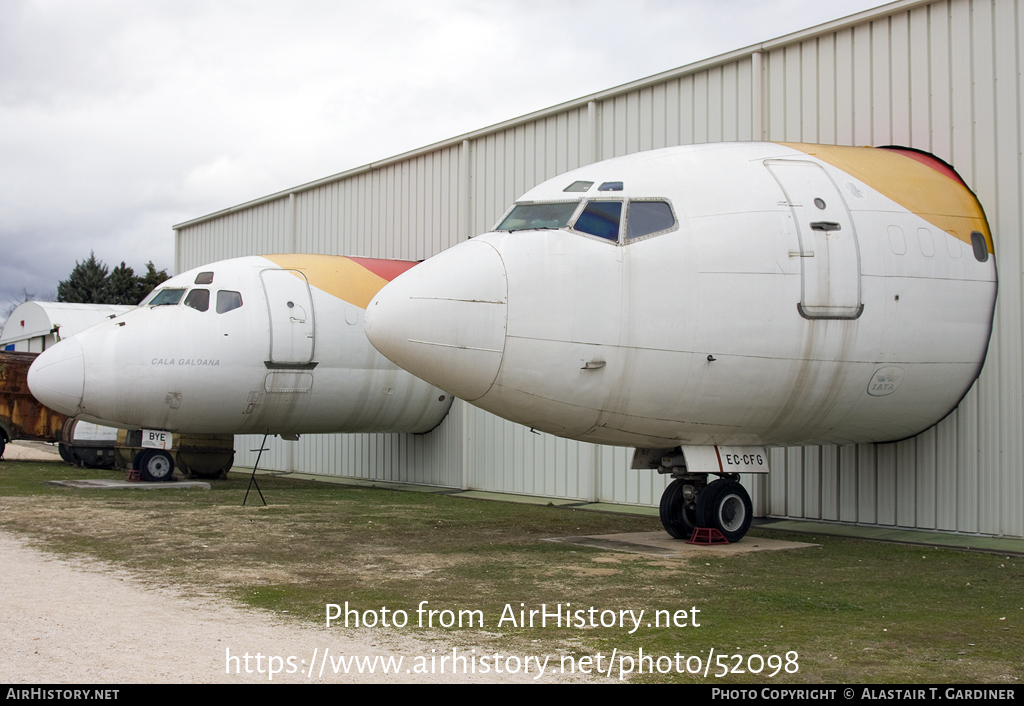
(57, 377)
(444, 320)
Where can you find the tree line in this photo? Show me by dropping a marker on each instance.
(92, 282)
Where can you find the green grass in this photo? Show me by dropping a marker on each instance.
(853, 611)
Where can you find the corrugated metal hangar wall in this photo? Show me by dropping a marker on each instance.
(940, 76)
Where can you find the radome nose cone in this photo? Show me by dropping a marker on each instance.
(444, 320)
(57, 377)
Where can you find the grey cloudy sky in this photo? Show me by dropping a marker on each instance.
(120, 118)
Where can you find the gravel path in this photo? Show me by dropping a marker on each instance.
(81, 621)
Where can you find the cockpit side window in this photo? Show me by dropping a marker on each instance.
(600, 218)
(648, 217)
(226, 301)
(167, 297)
(198, 299)
(539, 216)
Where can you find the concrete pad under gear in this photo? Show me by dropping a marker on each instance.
(660, 544)
(109, 484)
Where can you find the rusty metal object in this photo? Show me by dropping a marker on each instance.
(22, 416)
(195, 455)
(89, 450)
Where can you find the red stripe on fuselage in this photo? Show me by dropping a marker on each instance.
(385, 269)
(929, 161)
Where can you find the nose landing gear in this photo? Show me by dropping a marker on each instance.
(690, 502)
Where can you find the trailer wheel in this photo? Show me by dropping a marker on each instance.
(65, 454)
(155, 466)
(725, 505)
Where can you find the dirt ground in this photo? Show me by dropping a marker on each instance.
(83, 621)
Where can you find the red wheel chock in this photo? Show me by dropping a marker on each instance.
(706, 536)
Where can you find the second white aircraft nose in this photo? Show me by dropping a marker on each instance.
(57, 377)
(444, 320)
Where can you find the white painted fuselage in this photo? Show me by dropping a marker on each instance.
(251, 345)
(799, 294)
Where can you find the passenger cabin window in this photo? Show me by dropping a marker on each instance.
(204, 278)
(226, 301)
(980, 246)
(647, 217)
(198, 299)
(600, 218)
(167, 297)
(539, 216)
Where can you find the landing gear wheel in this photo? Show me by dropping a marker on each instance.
(3, 445)
(725, 505)
(155, 466)
(678, 515)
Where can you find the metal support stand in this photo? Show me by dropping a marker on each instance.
(252, 478)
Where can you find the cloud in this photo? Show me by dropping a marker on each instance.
(121, 118)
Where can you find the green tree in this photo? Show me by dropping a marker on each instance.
(86, 284)
(89, 283)
(150, 281)
(122, 286)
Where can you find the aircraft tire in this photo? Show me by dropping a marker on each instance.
(155, 466)
(3, 445)
(725, 505)
(678, 520)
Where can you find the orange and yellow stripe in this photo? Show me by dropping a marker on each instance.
(924, 186)
(355, 280)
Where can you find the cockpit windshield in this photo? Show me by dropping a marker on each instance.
(539, 216)
(602, 218)
(166, 297)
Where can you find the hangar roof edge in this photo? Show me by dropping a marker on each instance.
(785, 40)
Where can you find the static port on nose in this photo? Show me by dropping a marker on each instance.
(57, 377)
(444, 320)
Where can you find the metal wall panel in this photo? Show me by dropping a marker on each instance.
(940, 76)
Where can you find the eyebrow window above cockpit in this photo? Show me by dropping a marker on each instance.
(579, 186)
(198, 299)
(204, 278)
(539, 216)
